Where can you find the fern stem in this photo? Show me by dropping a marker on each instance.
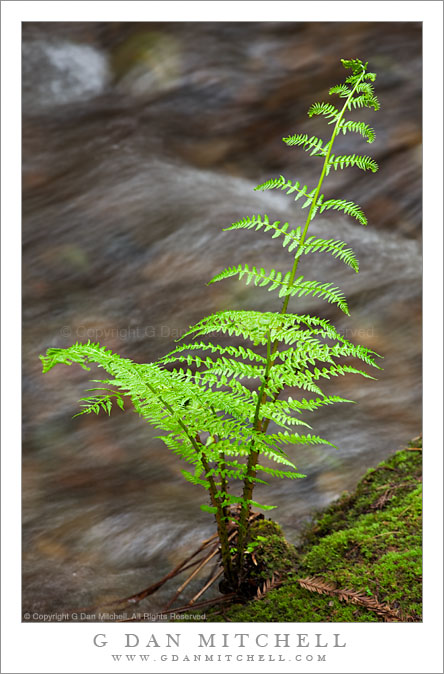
(251, 468)
(254, 454)
(224, 481)
(316, 196)
(221, 520)
(221, 523)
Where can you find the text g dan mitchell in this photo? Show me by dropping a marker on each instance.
(238, 640)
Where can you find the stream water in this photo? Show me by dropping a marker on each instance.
(140, 143)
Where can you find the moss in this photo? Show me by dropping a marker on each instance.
(368, 541)
(392, 478)
(270, 551)
(291, 603)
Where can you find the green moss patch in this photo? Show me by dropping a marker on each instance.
(368, 541)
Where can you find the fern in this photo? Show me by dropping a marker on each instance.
(316, 146)
(213, 402)
(347, 206)
(358, 127)
(275, 280)
(327, 109)
(292, 238)
(341, 161)
(289, 187)
(335, 248)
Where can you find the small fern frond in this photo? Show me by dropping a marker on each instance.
(347, 207)
(194, 479)
(336, 248)
(252, 325)
(316, 146)
(346, 349)
(289, 405)
(291, 238)
(289, 188)
(98, 403)
(236, 351)
(280, 418)
(358, 127)
(367, 99)
(357, 67)
(224, 366)
(274, 280)
(325, 291)
(259, 276)
(327, 109)
(364, 101)
(257, 326)
(342, 161)
(281, 474)
(341, 90)
(296, 439)
(337, 370)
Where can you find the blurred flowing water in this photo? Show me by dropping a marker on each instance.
(140, 143)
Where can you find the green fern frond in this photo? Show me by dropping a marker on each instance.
(169, 401)
(341, 161)
(258, 276)
(337, 370)
(364, 101)
(291, 238)
(325, 291)
(257, 325)
(282, 375)
(237, 351)
(336, 248)
(327, 109)
(316, 145)
(289, 405)
(347, 207)
(274, 280)
(346, 349)
(341, 90)
(225, 366)
(253, 325)
(307, 350)
(189, 477)
(296, 439)
(358, 127)
(289, 187)
(98, 403)
(281, 474)
(251, 222)
(356, 65)
(281, 419)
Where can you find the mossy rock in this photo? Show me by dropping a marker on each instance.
(269, 555)
(367, 542)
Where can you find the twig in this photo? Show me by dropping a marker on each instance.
(206, 586)
(195, 572)
(190, 578)
(321, 586)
